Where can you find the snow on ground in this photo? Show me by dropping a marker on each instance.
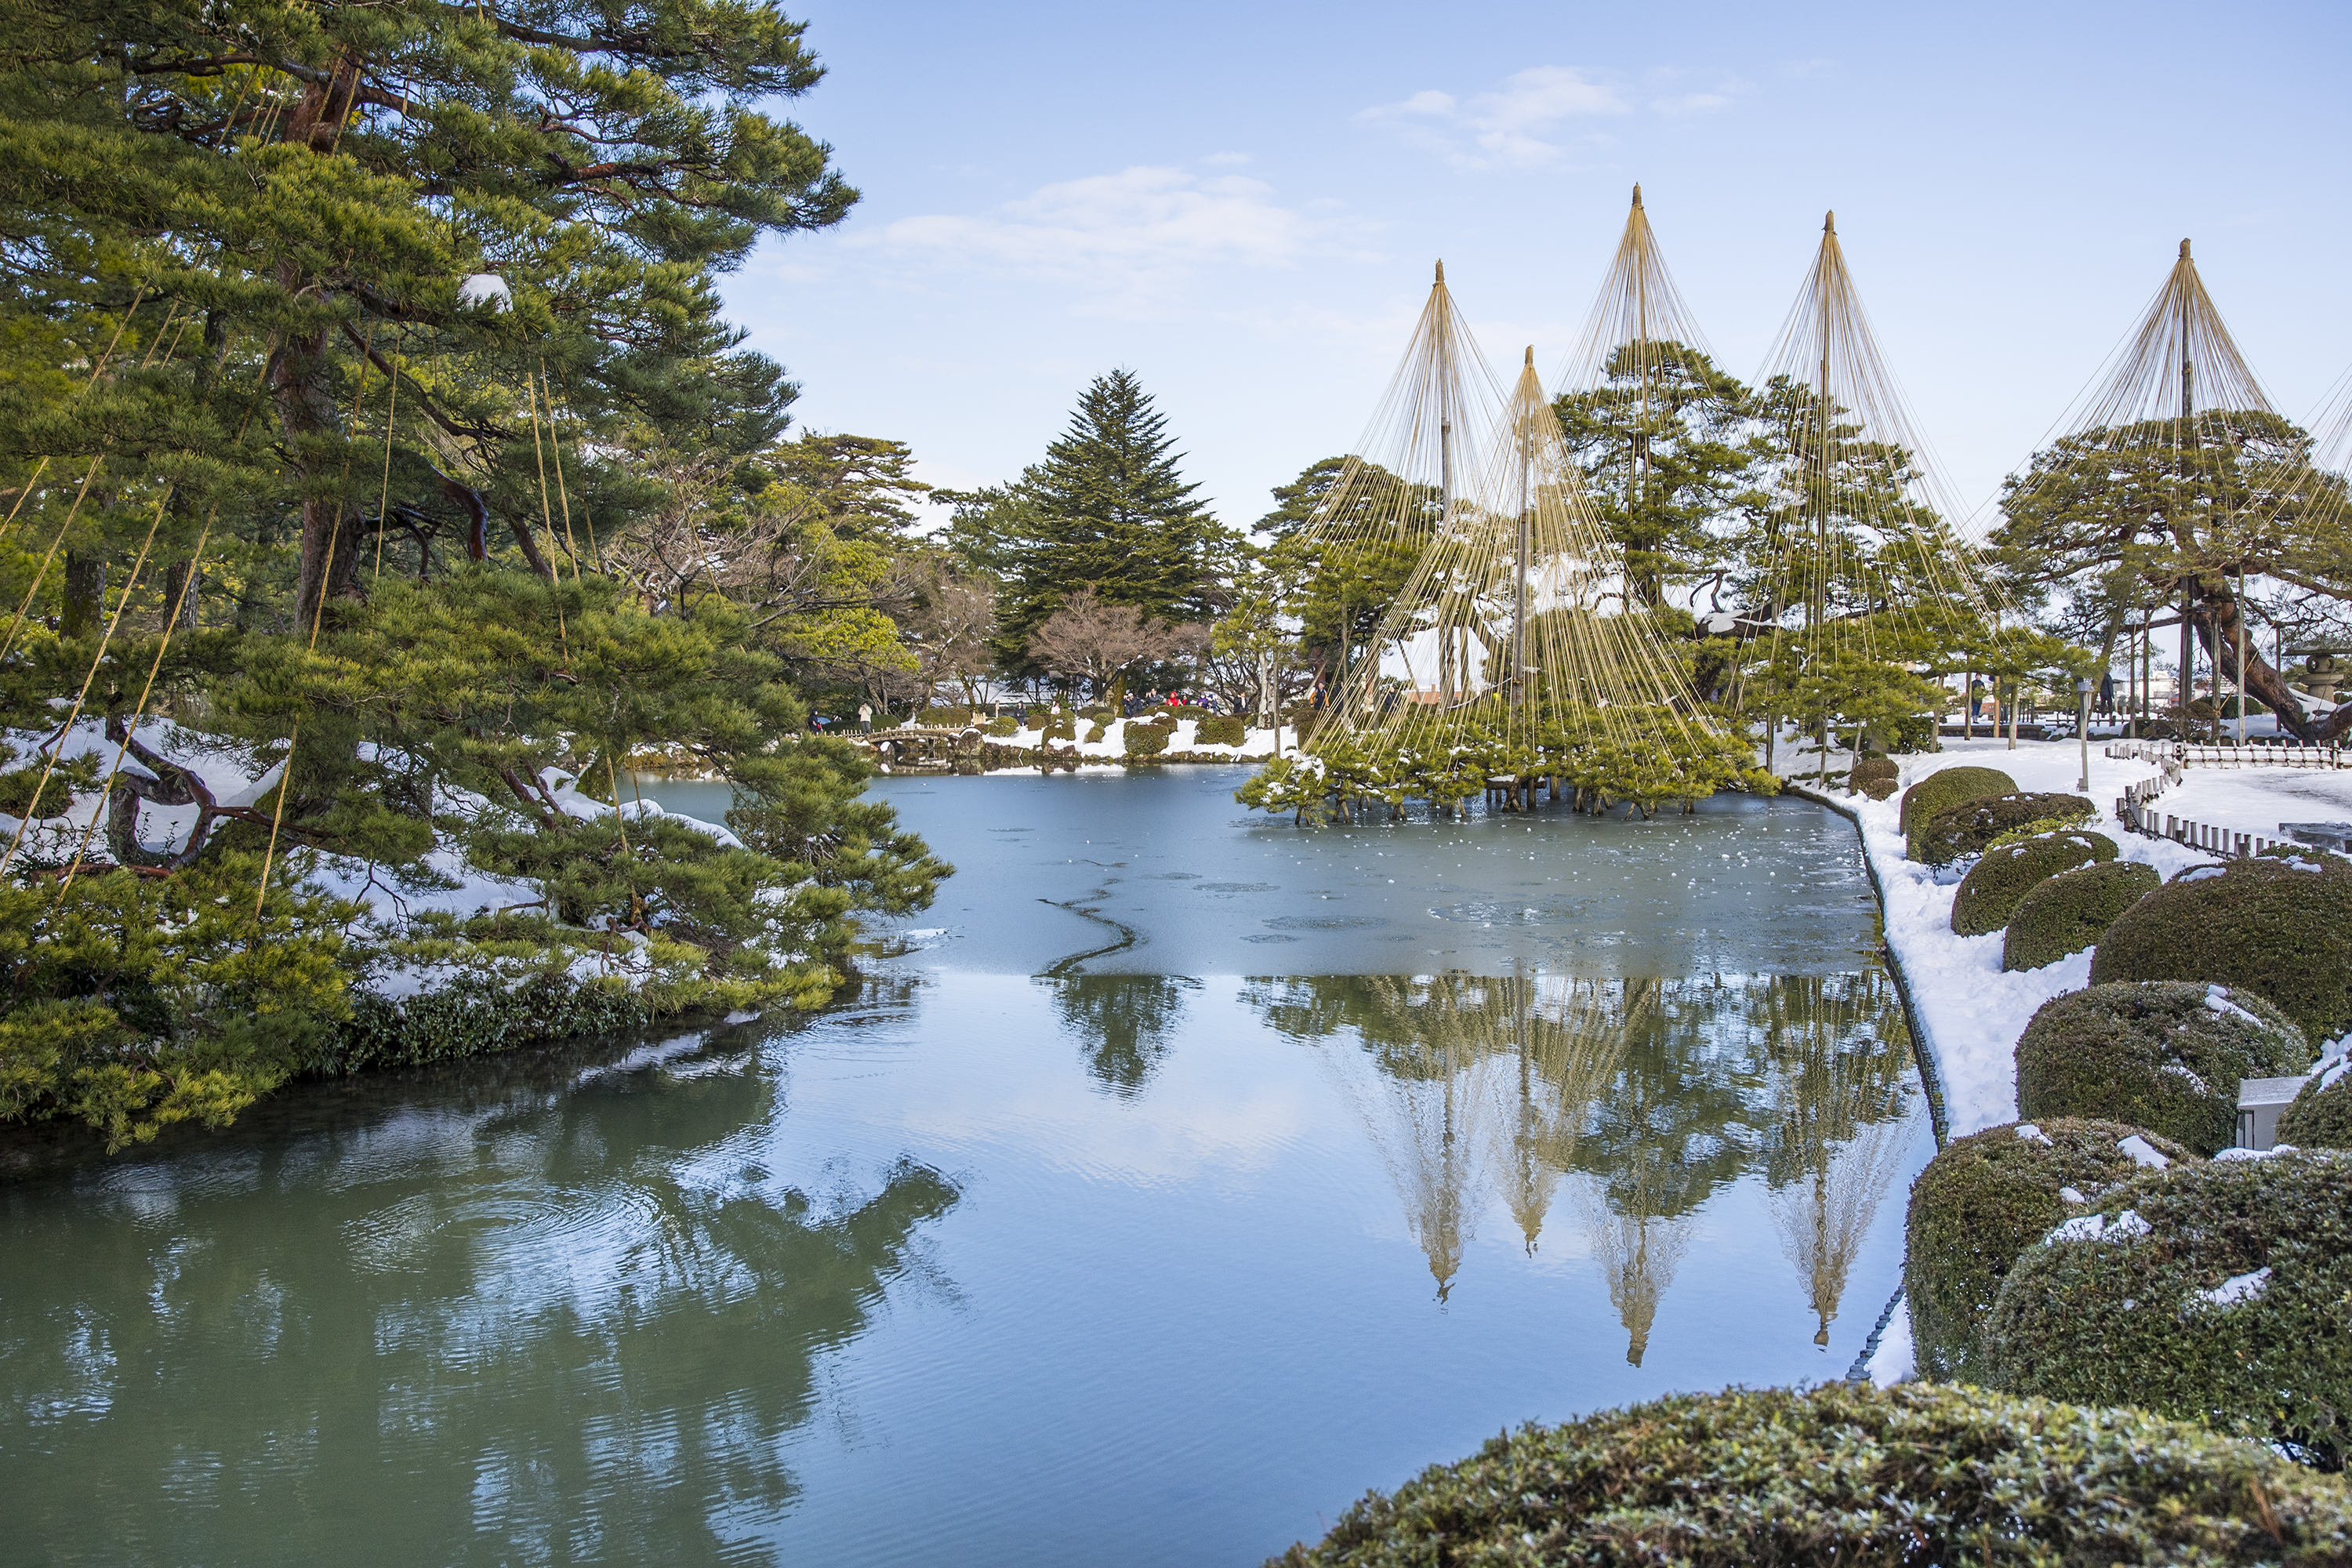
(1970, 1011)
(1257, 744)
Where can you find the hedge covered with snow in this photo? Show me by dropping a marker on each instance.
(1995, 885)
(1986, 1198)
(2321, 1116)
(2163, 1054)
(2212, 1292)
(1948, 787)
(1973, 826)
(1848, 1474)
(2071, 911)
(2280, 926)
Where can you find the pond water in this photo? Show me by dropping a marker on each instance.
(1180, 1177)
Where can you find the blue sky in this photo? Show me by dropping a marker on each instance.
(1240, 203)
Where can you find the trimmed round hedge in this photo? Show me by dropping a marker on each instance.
(1986, 1198)
(2210, 1292)
(1948, 786)
(1874, 776)
(1221, 730)
(2071, 911)
(2164, 1055)
(1971, 827)
(2321, 1116)
(1995, 885)
(1846, 1473)
(2280, 926)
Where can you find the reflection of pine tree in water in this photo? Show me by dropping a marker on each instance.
(1122, 1023)
(1841, 1101)
(540, 1326)
(1561, 1053)
(1660, 1092)
(1665, 1138)
(1459, 1071)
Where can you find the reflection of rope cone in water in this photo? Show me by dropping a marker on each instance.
(1637, 1246)
(1561, 1053)
(1824, 1220)
(1420, 1103)
(1840, 1123)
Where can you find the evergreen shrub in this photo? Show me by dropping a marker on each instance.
(1868, 772)
(2163, 1054)
(2210, 1292)
(2321, 1116)
(1990, 892)
(1921, 1473)
(1972, 826)
(476, 1015)
(1094, 733)
(2071, 911)
(1985, 1199)
(1221, 730)
(1948, 786)
(944, 717)
(2277, 925)
(1145, 740)
(1004, 725)
(1917, 733)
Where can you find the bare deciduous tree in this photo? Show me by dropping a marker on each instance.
(1089, 640)
(951, 629)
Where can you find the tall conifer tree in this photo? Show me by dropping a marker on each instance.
(1108, 509)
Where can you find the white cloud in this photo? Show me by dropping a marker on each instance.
(1513, 124)
(1133, 234)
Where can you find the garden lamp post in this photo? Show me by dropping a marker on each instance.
(2083, 728)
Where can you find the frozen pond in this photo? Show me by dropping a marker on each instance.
(1185, 1176)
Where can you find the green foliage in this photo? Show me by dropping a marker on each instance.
(1221, 730)
(1666, 448)
(2321, 1116)
(2071, 911)
(133, 1002)
(1868, 771)
(2221, 1302)
(2279, 926)
(1106, 510)
(1141, 740)
(1973, 826)
(1004, 725)
(1947, 786)
(1980, 1202)
(2163, 1054)
(1097, 730)
(1847, 1474)
(1995, 885)
(1915, 734)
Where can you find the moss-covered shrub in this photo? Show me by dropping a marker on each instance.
(1868, 771)
(1221, 730)
(1984, 1200)
(1849, 1473)
(1144, 740)
(2210, 1292)
(2070, 911)
(1990, 892)
(2321, 1116)
(1973, 826)
(2164, 1055)
(1094, 733)
(944, 717)
(1058, 727)
(2280, 926)
(1949, 787)
(1004, 725)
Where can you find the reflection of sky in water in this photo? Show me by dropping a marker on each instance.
(1119, 1263)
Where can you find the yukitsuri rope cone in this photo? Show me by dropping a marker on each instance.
(1506, 658)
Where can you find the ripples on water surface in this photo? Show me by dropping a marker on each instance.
(1344, 1150)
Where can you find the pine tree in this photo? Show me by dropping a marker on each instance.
(1107, 510)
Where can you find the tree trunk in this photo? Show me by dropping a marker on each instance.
(85, 606)
(2217, 620)
(181, 585)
